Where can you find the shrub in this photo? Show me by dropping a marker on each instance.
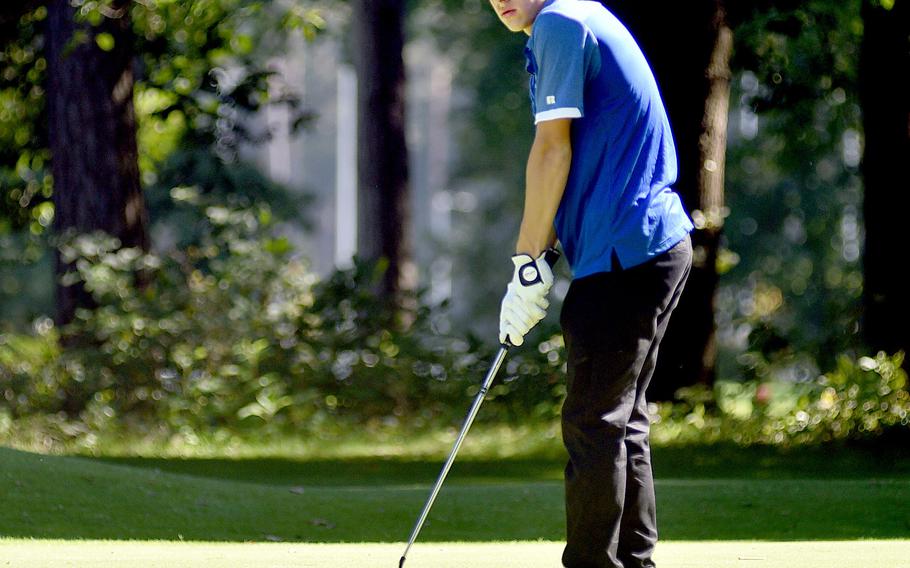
(861, 398)
(237, 332)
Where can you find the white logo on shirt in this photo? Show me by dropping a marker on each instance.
(551, 100)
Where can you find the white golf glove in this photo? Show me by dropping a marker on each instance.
(525, 302)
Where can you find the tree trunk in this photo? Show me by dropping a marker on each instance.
(688, 353)
(691, 40)
(383, 197)
(92, 137)
(885, 96)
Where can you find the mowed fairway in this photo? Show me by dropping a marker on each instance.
(718, 508)
(69, 554)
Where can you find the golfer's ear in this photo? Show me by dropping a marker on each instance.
(555, 131)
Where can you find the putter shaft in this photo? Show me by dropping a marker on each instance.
(488, 380)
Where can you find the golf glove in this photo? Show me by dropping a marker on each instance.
(525, 302)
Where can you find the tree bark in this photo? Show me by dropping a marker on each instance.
(383, 195)
(885, 97)
(92, 128)
(691, 41)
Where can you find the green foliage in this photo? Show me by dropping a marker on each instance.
(207, 58)
(860, 399)
(190, 176)
(794, 189)
(186, 94)
(24, 180)
(185, 182)
(201, 68)
(236, 332)
(800, 51)
(29, 372)
(188, 345)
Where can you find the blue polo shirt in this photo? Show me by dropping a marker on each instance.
(618, 199)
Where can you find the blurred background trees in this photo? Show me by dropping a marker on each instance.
(210, 142)
(198, 68)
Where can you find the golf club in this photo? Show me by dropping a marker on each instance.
(491, 374)
(551, 256)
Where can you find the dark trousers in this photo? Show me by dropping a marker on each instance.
(613, 323)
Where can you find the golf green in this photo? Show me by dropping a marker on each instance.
(157, 554)
(717, 509)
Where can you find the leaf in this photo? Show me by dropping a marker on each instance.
(105, 41)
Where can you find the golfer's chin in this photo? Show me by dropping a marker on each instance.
(513, 24)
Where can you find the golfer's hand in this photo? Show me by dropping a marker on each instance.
(525, 302)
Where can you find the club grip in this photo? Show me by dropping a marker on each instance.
(551, 256)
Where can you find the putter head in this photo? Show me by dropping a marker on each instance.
(401, 562)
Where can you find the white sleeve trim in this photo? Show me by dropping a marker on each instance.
(567, 112)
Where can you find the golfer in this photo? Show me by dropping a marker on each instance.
(599, 179)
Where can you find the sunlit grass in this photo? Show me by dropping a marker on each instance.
(52, 554)
(734, 494)
(539, 440)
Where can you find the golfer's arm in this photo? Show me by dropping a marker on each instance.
(547, 172)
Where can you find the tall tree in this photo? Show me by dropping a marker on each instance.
(712, 145)
(383, 209)
(178, 51)
(689, 48)
(885, 96)
(92, 134)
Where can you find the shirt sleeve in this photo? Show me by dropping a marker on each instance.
(560, 46)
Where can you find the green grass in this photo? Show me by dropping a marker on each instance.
(54, 554)
(352, 501)
(715, 493)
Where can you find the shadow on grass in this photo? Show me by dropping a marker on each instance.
(716, 493)
(856, 461)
